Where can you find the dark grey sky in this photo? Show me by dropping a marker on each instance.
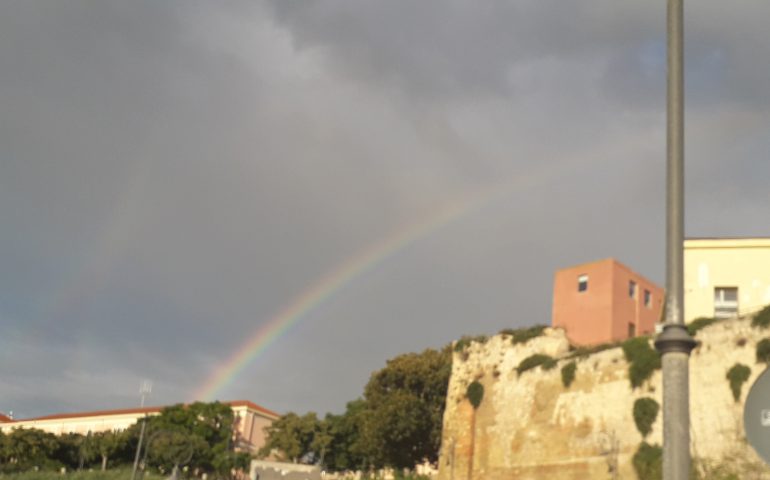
(172, 174)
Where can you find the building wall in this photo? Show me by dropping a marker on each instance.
(603, 312)
(81, 425)
(710, 263)
(250, 420)
(585, 316)
(628, 310)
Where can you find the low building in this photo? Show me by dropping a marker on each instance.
(725, 277)
(249, 435)
(604, 301)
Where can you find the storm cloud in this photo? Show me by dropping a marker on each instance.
(173, 174)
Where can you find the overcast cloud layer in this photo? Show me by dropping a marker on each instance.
(172, 174)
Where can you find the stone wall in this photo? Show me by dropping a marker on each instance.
(530, 426)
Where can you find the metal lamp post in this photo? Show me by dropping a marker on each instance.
(675, 343)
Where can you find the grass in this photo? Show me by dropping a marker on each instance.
(466, 341)
(111, 474)
(583, 352)
(523, 335)
(700, 323)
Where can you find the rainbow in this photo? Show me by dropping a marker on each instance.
(323, 289)
(367, 259)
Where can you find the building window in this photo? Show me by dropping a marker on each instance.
(647, 299)
(725, 302)
(582, 283)
(632, 289)
(631, 330)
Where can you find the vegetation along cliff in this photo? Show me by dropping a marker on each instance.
(525, 404)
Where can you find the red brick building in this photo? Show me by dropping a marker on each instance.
(604, 301)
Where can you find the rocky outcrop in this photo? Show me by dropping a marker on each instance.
(530, 426)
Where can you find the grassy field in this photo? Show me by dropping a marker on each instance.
(114, 474)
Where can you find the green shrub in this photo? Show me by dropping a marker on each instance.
(643, 360)
(737, 375)
(645, 412)
(763, 350)
(475, 393)
(536, 360)
(568, 374)
(523, 335)
(582, 352)
(466, 341)
(699, 324)
(762, 319)
(648, 462)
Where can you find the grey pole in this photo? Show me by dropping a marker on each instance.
(675, 343)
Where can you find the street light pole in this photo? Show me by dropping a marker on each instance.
(675, 343)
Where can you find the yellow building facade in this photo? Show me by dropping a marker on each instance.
(725, 277)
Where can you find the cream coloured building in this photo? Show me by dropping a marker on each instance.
(725, 277)
(250, 421)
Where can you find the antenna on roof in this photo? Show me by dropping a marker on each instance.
(144, 389)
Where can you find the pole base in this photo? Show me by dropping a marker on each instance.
(675, 338)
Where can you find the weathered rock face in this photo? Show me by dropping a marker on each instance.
(530, 426)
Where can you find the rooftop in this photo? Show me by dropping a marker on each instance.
(134, 411)
(727, 242)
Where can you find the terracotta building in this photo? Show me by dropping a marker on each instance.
(250, 420)
(604, 301)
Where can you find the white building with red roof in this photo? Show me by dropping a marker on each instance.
(250, 422)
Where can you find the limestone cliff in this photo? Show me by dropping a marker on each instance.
(530, 426)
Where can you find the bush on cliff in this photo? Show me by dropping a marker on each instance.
(645, 412)
(568, 374)
(583, 352)
(699, 324)
(737, 375)
(762, 319)
(475, 393)
(536, 360)
(523, 335)
(642, 359)
(466, 341)
(648, 462)
(763, 351)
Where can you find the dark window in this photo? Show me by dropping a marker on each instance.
(647, 299)
(631, 330)
(632, 289)
(582, 283)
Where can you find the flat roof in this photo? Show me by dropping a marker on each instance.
(614, 261)
(134, 411)
(728, 242)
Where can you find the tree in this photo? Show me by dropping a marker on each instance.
(170, 449)
(28, 447)
(291, 436)
(344, 452)
(405, 401)
(108, 444)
